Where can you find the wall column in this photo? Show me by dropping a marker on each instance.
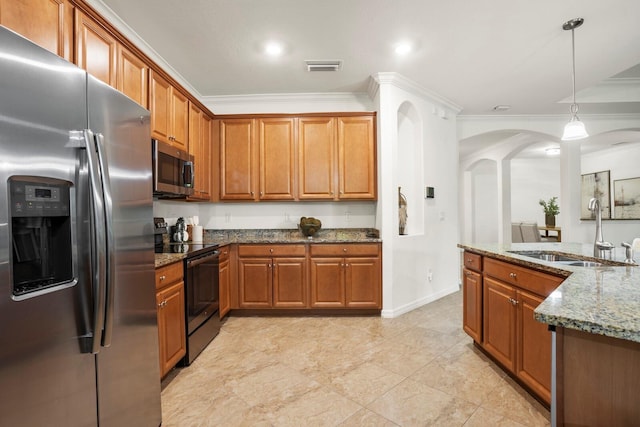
(570, 187)
(504, 201)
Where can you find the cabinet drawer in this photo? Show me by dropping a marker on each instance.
(224, 253)
(168, 274)
(534, 281)
(472, 261)
(271, 250)
(353, 249)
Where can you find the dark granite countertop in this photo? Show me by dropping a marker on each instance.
(602, 300)
(330, 235)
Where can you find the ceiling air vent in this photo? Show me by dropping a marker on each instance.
(331, 65)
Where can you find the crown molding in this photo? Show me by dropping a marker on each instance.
(401, 82)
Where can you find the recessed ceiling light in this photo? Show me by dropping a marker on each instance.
(403, 48)
(501, 107)
(273, 49)
(552, 151)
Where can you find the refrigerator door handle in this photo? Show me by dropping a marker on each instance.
(99, 245)
(111, 269)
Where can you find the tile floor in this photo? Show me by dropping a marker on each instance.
(419, 369)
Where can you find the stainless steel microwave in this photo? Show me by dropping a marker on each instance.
(173, 172)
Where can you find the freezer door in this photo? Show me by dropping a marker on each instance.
(45, 377)
(128, 363)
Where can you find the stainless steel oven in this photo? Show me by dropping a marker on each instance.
(202, 300)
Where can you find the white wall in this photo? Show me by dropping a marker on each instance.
(424, 265)
(622, 162)
(532, 180)
(484, 203)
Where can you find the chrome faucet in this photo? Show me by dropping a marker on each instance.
(600, 247)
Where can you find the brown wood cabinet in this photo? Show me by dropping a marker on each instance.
(171, 315)
(133, 76)
(169, 112)
(238, 158)
(356, 158)
(346, 275)
(272, 276)
(317, 158)
(307, 157)
(200, 149)
(47, 23)
(276, 139)
(510, 334)
(224, 277)
(96, 49)
(472, 296)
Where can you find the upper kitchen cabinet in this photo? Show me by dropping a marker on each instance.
(277, 158)
(337, 153)
(317, 158)
(238, 158)
(133, 76)
(96, 49)
(169, 112)
(200, 149)
(48, 23)
(356, 158)
(305, 157)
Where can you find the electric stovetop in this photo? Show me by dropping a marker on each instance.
(191, 249)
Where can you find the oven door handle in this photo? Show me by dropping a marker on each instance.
(197, 261)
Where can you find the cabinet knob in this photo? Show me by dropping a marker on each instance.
(513, 301)
(261, 193)
(344, 249)
(252, 194)
(513, 275)
(469, 261)
(162, 278)
(271, 250)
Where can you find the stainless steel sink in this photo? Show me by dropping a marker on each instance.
(558, 258)
(547, 256)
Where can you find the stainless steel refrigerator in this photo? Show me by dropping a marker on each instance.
(78, 329)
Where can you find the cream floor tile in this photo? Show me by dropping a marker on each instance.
(330, 371)
(367, 418)
(414, 404)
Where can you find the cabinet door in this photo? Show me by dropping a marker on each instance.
(133, 76)
(47, 23)
(174, 341)
(356, 158)
(96, 49)
(534, 347)
(160, 106)
(500, 322)
(224, 281)
(204, 166)
(277, 158)
(362, 282)
(327, 282)
(179, 122)
(289, 282)
(316, 158)
(472, 304)
(195, 145)
(237, 160)
(255, 282)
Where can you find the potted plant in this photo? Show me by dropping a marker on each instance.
(551, 209)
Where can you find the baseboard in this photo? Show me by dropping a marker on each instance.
(418, 303)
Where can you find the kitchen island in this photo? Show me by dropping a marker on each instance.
(596, 343)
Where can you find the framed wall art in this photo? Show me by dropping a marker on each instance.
(596, 185)
(626, 198)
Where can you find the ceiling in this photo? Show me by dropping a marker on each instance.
(477, 54)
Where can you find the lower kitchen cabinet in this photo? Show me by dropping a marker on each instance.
(510, 334)
(171, 316)
(346, 275)
(272, 276)
(224, 277)
(472, 296)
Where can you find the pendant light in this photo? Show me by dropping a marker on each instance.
(575, 128)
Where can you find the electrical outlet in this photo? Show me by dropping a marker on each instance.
(430, 275)
(227, 217)
(347, 217)
(287, 218)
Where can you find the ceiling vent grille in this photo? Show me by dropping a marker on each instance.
(331, 65)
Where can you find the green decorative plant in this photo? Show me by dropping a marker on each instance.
(551, 207)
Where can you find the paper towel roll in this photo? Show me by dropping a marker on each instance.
(196, 236)
(636, 244)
